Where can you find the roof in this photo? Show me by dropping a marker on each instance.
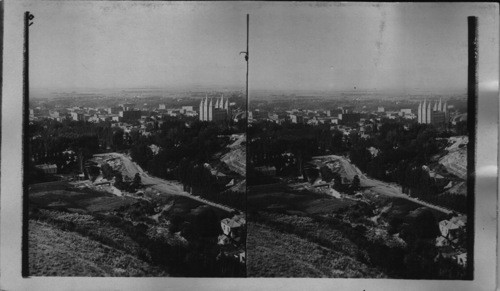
(46, 166)
(236, 221)
(452, 223)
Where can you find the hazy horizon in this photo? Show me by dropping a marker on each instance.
(331, 47)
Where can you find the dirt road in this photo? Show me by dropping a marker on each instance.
(383, 188)
(129, 168)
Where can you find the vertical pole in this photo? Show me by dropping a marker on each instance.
(25, 250)
(248, 145)
(472, 96)
(247, 59)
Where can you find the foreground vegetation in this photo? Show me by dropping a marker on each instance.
(371, 238)
(273, 253)
(405, 152)
(52, 253)
(165, 235)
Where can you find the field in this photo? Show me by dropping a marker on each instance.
(82, 232)
(275, 254)
(276, 197)
(62, 195)
(52, 253)
(284, 239)
(302, 234)
(399, 207)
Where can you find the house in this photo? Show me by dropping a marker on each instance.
(451, 229)
(461, 258)
(268, 171)
(223, 240)
(47, 168)
(233, 227)
(242, 257)
(442, 242)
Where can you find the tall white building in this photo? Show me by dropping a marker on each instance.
(214, 111)
(419, 112)
(202, 109)
(429, 113)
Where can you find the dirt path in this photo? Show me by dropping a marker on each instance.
(379, 187)
(129, 168)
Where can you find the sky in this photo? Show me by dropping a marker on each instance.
(293, 45)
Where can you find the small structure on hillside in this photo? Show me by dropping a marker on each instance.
(268, 171)
(233, 227)
(451, 229)
(47, 168)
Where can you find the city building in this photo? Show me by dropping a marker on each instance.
(113, 110)
(296, 118)
(214, 111)
(47, 168)
(349, 117)
(405, 111)
(127, 106)
(131, 115)
(76, 116)
(436, 114)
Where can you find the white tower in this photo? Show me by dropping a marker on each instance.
(205, 109)
(201, 110)
(428, 113)
(419, 112)
(424, 112)
(210, 111)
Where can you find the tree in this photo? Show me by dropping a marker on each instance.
(326, 174)
(337, 182)
(136, 183)
(141, 154)
(93, 172)
(107, 171)
(117, 139)
(119, 181)
(207, 223)
(461, 128)
(355, 183)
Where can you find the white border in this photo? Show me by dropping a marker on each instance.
(11, 193)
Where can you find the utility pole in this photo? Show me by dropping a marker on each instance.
(472, 96)
(246, 59)
(26, 153)
(247, 156)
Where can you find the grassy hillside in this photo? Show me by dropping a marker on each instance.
(301, 234)
(55, 252)
(286, 240)
(273, 253)
(149, 235)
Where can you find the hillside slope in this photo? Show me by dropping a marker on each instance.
(455, 161)
(235, 159)
(52, 253)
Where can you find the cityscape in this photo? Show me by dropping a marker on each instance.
(381, 193)
(337, 156)
(135, 175)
